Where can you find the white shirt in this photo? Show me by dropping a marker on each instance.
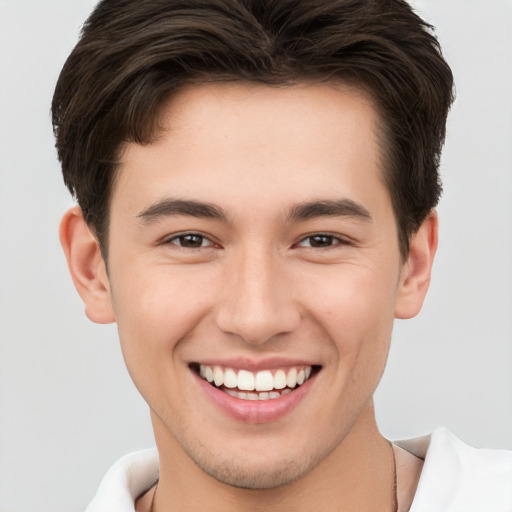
(455, 477)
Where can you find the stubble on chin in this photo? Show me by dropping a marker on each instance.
(265, 473)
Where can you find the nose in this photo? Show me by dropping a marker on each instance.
(257, 302)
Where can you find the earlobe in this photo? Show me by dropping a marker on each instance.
(86, 266)
(415, 277)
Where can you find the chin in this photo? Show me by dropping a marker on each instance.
(263, 467)
(246, 475)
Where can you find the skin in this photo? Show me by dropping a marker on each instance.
(258, 287)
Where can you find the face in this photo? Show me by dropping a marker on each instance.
(254, 245)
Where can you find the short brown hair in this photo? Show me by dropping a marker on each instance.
(134, 54)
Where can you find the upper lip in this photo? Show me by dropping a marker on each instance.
(253, 365)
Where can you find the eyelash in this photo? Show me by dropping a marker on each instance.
(334, 240)
(191, 234)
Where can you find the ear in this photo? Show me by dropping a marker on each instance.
(415, 276)
(86, 266)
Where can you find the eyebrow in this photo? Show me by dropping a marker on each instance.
(169, 207)
(301, 212)
(328, 208)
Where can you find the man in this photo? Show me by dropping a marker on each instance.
(256, 185)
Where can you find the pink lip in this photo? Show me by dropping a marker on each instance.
(254, 411)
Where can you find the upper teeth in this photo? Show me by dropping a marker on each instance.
(265, 380)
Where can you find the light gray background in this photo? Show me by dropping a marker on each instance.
(67, 406)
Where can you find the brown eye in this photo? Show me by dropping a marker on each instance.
(322, 241)
(319, 241)
(190, 241)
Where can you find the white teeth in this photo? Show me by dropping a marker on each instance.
(257, 396)
(245, 380)
(291, 378)
(230, 378)
(265, 382)
(280, 380)
(218, 376)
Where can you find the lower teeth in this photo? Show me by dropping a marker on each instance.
(257, 396)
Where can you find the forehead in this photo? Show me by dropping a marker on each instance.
(259, 143)
(256, 112)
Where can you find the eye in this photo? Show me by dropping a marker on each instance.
(321, 241)
(190, 241)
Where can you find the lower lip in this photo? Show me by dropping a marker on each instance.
(255, 411)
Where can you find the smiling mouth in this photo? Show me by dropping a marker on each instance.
(261, 385)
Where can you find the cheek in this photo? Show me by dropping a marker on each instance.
(155, 315)
(359, 323)
(356, 305)
(154, 312)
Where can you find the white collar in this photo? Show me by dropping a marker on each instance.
(459, 478)
(125, 481)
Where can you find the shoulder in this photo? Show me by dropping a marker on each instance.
(459, 478)
(125, 481)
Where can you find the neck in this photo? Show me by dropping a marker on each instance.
(357, 475)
